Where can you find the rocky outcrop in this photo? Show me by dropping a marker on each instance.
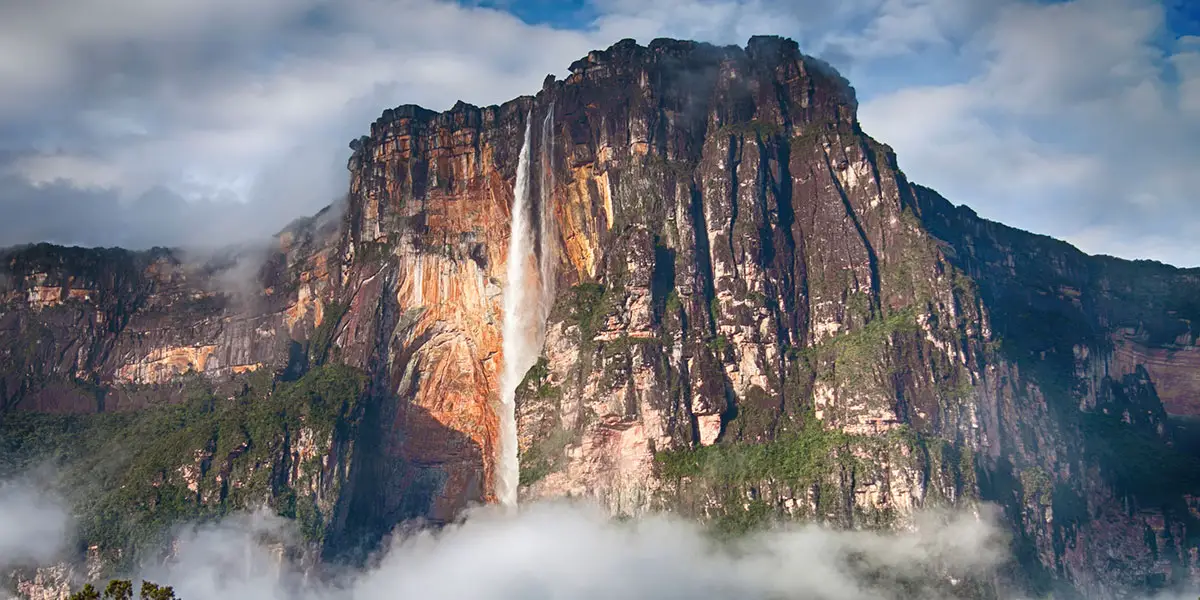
(758, 318)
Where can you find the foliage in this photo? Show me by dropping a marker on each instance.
(860, 352)
(1036, 486)
(536, 383)
(718, 345)
(322, 337)
(858, 306)
(372, 251)
(119, 589)
(673, 305)
(680, 169)
(760, 129)
(127, 469)
(585, 302)
(87, 593)
(544, 456)
(798, 458)
(122, 589)
(152, 591)
(739, 521)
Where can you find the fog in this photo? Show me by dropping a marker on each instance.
(33, 523)
(553, 551)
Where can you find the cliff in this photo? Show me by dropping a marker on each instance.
(757, 318)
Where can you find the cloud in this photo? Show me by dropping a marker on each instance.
(559, 550)
(221, 121)
(225, 104)
(1076, 122)
(33, 524)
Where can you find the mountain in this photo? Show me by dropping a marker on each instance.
(739, 309)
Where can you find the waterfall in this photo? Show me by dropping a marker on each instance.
(528, 296)
(546, 231)
(519, 343)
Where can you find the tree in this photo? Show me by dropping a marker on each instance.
(151, 591)
(87, 593)
(119, 589)
(122, 589)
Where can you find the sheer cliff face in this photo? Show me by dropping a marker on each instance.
(757, 317)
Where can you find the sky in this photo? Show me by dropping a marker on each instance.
(200, 122)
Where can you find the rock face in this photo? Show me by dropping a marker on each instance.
(758, 318)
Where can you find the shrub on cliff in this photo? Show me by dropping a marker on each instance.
(122, 589)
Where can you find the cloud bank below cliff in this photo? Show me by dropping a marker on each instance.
(33, 524)
(212, 122)
(556, 551)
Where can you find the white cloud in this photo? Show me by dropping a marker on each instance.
(939, 130)
(557, 550)
(33, 524)
(85, 172)
(1054, 117)
(148, 109)
(1068, 126)
(1187, 67)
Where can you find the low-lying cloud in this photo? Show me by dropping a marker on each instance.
(34, 524)
(553, 551)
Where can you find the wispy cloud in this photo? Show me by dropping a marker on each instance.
(1076, 122)
(215, 121)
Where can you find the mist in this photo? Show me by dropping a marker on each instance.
(34, 523)
(556, 550)
(560, 550)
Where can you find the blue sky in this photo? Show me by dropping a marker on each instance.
(212, 121)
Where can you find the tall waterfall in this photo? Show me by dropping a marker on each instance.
(546, 231)
(519, 344)
(528, 296)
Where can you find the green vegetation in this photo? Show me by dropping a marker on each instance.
(131, 471)
(672, 305)
(584, 309)
(756, 128)
(858, 306)
(797, 458)
(122, 589)
(322, 337)
(814, 132)
(859, 356)
(536, 383)
(372, 251)
(544, 456)
(1036, 486)
(757, 415)
(738, 521)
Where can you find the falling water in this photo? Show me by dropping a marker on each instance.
(519, 344)
(546, 222)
